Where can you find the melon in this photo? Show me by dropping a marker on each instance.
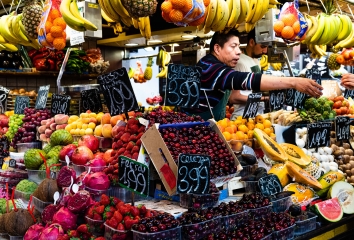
(327, 180)
(296, 155)
(346, 200)
(281, 171)
(330, 209)
(338, 187)
(302, 193)
(301, 176)
(270, 147)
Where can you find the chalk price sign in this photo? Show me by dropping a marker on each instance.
(3, 97)
(133, 175)
(91, 100)
(342, 128)
(269, 185)
(118, 92)
(252, 105)
(21, 103)
(276, 99)
(348, 93)
(42, 97)
(318, 134)
(60, 104)
(183, 86)
(295, 98)
(193, 173)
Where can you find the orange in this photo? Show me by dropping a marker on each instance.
(227, 136)
(234, 128)
(44, 43)
(287, 32)
(166, 17)
(166, 7)
(278, 26)
(268, 131)
(351, 54)
(288, 19)
(64, 34)
(221, 128)
(54, 13)
(206, 2)
(259, 119)
(250, 126)
(176, 15)
(237, 122)
(223, 123)
(178, 4)
(234, 136)
(188, 4)
(56, 31)
(48, 25)
(198, 21)
(340, 59)
(59, 43)
(243, 128)
(49, 37)
(259, 126)
(49, 19)
(267, 123)
(229, 129)
(272, 135)
(240, 135)
(296, 27)
(250, 134)
(59, 22)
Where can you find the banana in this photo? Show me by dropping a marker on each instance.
(167, 58)
(17, 28)
(245, 8)
(221, 18)
(274, 2)
(265, 8)
(2, 39)
(346, 28)
(309, 26)
(141, 24)
(2, 47)
(163, 72)
(319, 51)
(212, 8)
(336, 27)
(249, 26)
(70, 20)
(258, 11)
(159, 58)
(346, 43)
(131, 72)
(135, 23)
(201, 26)
(341, 25)
(265, 68)
(147, 28)
(10, 47)
(326, 30)
(235, 12)
(311, 31)
(4, 29)
(108, 11)
(252, 10)
(119, 8)
(320, 28)
(12, 29)
(127, 21)
(105, 17)
(74, 9)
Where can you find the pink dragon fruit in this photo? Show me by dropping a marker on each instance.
(80, 201)
(96, 164)
(33, 232)
(64, 176)
(52, 232)
(65, 218)
(97, 181)
(81, 180)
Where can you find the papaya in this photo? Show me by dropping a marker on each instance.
(327, 180)
(301, 176)
(270, 147)
(302, 193)
(296, 155)
(281, 171)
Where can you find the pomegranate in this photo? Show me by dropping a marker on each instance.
(81, 155)
(80, 201)
(67, 150)
(89, 141)
(64, 176)
(48, 213)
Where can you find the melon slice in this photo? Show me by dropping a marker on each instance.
(338, 187)
(346, 200)
(296, 155)
(331, 210)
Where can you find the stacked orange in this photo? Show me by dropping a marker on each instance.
(55, 29)
(346, 57)
(287, 27)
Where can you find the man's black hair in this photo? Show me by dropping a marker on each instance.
(222, 38)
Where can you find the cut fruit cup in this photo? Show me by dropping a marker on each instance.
(38, 176)
(202, 229)
(188, 200)
(260, 211)
(96, 194)
(170, 234)
(111, 233)
(285, 234)
(235, 220)
(79, 169)
(96, 226)
(39, 205)
(281, 205)
(306, 225)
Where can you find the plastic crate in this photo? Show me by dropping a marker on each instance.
(235, 220)
(188, 200)
(39, 205)
(38, 176)
(202, 229)
(260, 211)
(111, 233)
(306, 225)
(170, 234)
(96, 226)
(281, 205)
(285, 234)
(123, 194)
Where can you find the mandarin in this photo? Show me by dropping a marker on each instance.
(296, 27)
(178, 4)
(176, 15)
(56, 31)
(242, 128)
(206, 2)
(227, 136)
(48, 25)
(59, 22)
(288, 19)
(287, 32)
(59, 43)
(166, 7)
(259, 126)
(278, 26)
(49, 37)
(267, 123)
(54, 13)
(198, 21)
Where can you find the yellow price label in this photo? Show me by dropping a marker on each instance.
(92, 5)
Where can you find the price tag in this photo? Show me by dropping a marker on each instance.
(60, 104)
(252, 104)
(118, 92)
(193, 173)
(342, 128)
(21, 103)
(91, 100)
(270, 185)
(295, 98)
(348, 93)
(76, 37)
(276, 100)
(183, 86)
(12, 163)
(133, 175)
(4, 92)
(42, 97)
(318, 134)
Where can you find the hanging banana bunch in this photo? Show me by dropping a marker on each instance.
(163, 58)
(143, 24)
(277, 66)
(264, 62)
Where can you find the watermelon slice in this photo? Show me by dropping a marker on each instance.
(331, 210)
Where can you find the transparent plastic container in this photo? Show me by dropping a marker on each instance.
(281, 205)
(11, 181)
(79, 169)
(96, 226)
(202, 229)
(38, 176)
(24, 196)
(111, 233)
(124, 194)
(306, 225)
(251, 186)
(15, 173)
(16, 237)
(23, 147)
(235, 220)
(170, 234)
(198, 201)
(94, 169)
(39, 205)
(269, 237)
(260, 211)
(285, 234)
(17, 156)
(96, 194)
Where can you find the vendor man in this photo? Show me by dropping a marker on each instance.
(219, 78)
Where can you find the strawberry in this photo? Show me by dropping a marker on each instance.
(83, 228)
(125, 137)
(134, 129)
(148, 213)
(130, 146)
(132, 121)
(135, 156)
(114, 180)
(120, 151)
(119, 204)
(138, 143)
(73, 233)
(118, 216)
(120, 227)
(127, 154)
(142, 209)
(135, 149)
(97, 216)
(64, 237)
(129, 222)
(104, 200)
(119, 144)
(132, 138)
(141, 130)
(110, 209)
(100, 238)
(113, 222)
(107, 215)
(90, 212)
(115, 201)
(100, 209)
(134, 211)
(123, 210)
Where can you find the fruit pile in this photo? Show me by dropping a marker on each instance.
(84, 124)
(55, 30)
(4, 124)
(229, 111)
(15, 123)
(158, 223)
(341, 106)
(345, 57)
(48, 126)
(200, 139)
(158, 115)
(287, 27)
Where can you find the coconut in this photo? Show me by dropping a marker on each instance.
(18, 222)
(46, 190)
(2, 223)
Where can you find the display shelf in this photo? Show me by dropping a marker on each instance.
(46, 74)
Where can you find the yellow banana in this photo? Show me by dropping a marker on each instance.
(235, 12)
(245, 8)
(321, 25)
(163, 72)
(105, 17)
(74, 9)
(249, 26)
(135, 23)
(110, 13)
(274, 2)
(212, 9)
(311, 31)
(252, 10)
(147, 28)
(70, 20)
(127, 21)
(346, 27)
(258, 11)
(10, 47)
(119, 8)
(221, 18)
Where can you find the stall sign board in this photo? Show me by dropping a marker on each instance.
(4, 92)
(91, 100)
(193, 173)
(295, 98)
(133, 175)
(42, 97)
(342, 128)
(183, 86)
(60, 104)
(276, 100)
(21, 103)
(118, 92)
(349, 93)
(270, 185)
(318, 134)
(252, 104)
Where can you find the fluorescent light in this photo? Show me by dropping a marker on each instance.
(131, 44)
(189, 36)
(149, 49)
(175, 44)
(154, 41)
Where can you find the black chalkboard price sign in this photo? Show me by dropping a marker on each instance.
(21, 103)
(133, 175)
(118, 92)
(183, 86)
(252, 105)
(42, 97)
(276, 100)
(12, 163)
(3, 97)
(91, 100)
(270, 185)
(60, 104)
(342, 128)
(193, 173)
(348, 93)
(318, 134)
(316, 75)
(295, 98)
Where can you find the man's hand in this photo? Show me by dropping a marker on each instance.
(348, 80)
(308, 86)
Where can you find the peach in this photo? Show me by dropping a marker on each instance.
(106, 119)
(93, 120)
(107, 130)
(107, 155)
(115, 119)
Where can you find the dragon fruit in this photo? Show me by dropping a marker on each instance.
(96, 164)
(65, 218)
(81, 180)
(80, 201)
(33, 232)
(97, 181)
(64, 176)
(52, 232)
(48, 213)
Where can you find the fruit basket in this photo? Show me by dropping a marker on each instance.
(188, 200)
(285, 234)
(104, 143)
(38, 204)
(260, 211)
(123, 194)
(234, 220)
(38, 176)
(202, 229)
(306, 225)
(96, 226)
(170, 234)
(281, 205)
(111, 233)
(23, 147)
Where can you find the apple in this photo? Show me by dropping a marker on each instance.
(4, 120)
(89, 141)
(150, 101)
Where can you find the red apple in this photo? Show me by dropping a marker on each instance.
(107, 155)
(67, 150)
(81, 155)
(89, 141)
(4, 120)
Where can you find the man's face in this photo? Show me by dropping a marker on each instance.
(230, 53)
(258, 50)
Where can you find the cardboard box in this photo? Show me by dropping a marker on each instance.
(163, 205)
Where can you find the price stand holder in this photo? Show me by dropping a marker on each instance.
(342, 126)
(42, 97)
(295, 98)
(270, 185)
(91, 100)
(252, 104)
(4, 92)
(276, 100)
(318, 134)
(193, 173)
(183, 86)
(21, 103)
(60, 104)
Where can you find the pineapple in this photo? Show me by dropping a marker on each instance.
(140, 8)
(148, 69)
(32, 13)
